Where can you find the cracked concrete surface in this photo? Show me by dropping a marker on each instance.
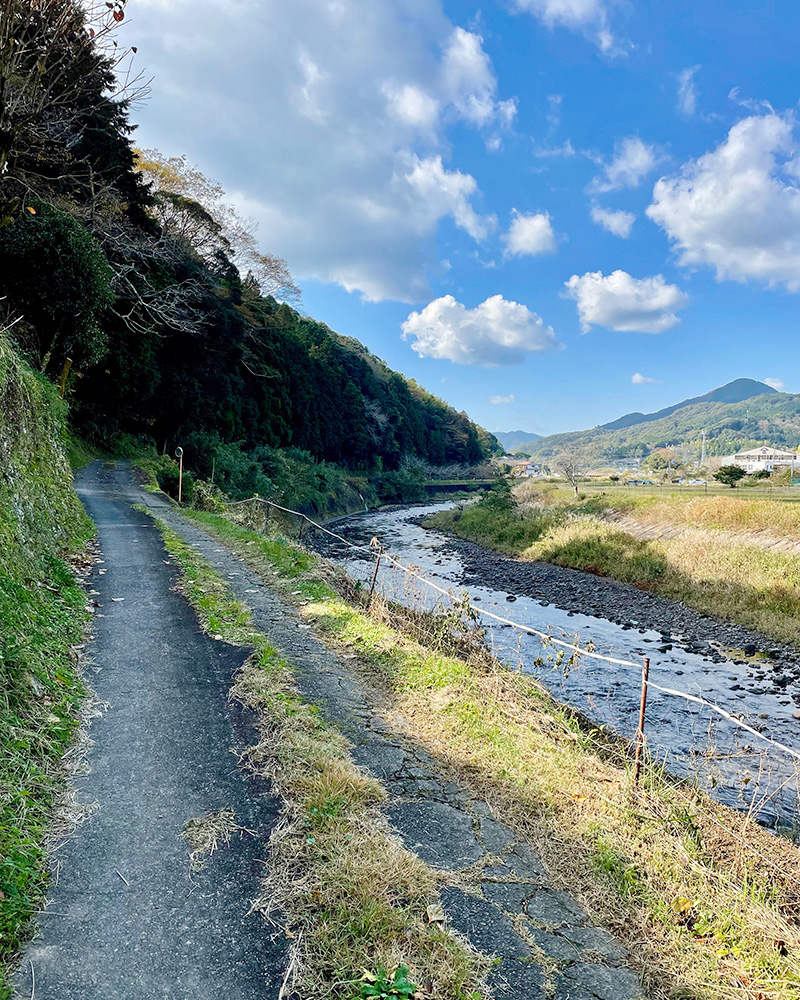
(545, 945)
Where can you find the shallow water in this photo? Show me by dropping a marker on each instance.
(732, 765)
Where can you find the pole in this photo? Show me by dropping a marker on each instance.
(65, 376)
(375, 575)
(640, 732)
(213, 467)
(179, 456)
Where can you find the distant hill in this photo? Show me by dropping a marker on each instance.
(732, 392)
(742, 414)
(511, 440)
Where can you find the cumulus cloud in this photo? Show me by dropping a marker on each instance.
(639, 379)
(328, 123)
(632, 162)
(502, 400)
(687, 91)
(530, 235)
(737, 208)
(590, 17)
(776, 383)
(620, 302)
(497, 332)
(619, 223)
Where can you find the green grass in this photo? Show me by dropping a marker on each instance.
(353, 898)
(42, 617)
(40, 693)
(713, 564)
(703, 899)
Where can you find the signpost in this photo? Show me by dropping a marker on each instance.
(179, 456)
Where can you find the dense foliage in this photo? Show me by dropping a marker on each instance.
(133, 268)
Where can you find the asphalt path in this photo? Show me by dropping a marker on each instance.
(126, 915)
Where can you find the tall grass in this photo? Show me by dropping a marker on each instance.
(714, 573)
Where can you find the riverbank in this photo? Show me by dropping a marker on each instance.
(662, 866)
(710, 580)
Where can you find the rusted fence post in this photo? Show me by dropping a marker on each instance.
(375, 576)
(640, 732)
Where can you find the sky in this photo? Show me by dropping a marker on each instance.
(547, 212)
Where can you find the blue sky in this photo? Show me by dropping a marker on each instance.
(548, 212)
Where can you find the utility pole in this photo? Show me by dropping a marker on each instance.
(703, 452)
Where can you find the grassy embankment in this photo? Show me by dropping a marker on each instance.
(714, 563)
(353, 898)
(42, 619)
(706, 901)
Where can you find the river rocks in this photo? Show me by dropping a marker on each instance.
(627, 606)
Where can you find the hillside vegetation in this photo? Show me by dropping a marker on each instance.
(41, 618)
(712, 559)
(127, 274)
(767, 418)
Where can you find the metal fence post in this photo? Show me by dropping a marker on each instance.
(640, 732)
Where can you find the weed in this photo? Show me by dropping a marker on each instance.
(381, 986)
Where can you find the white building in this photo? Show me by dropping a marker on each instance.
(765, 459)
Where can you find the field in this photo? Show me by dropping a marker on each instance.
(726, 553)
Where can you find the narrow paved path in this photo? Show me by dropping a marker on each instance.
(546, 945)
(127, 918)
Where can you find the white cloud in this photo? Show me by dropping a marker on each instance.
(530, 235)
(445, 193)
(775, 383)
(737, 209)
(632, 161)
(617, 222)
(687, 91)
(497, 332)
(328, 122)
(412, 106)
(502, 400)
(639, 379)
(590, 17)
(623, 303)
(565, 150)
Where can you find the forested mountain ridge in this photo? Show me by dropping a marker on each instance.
(767, 418)
(732, 392)
(125, 274)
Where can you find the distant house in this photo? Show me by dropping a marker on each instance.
(765, 459)
(527, 469)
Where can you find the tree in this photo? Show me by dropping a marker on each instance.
(730, 475)
(571, 468)
(191, 207)
(55, 274)
(53, 70)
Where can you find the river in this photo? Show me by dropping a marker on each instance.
(730, 764)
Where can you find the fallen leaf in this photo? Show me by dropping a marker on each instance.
(436, 914)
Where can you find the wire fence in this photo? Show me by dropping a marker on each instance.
(377, 551)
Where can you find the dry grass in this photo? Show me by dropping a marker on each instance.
(707, 903)
(204, 834)
(349, 895)
(715, 563)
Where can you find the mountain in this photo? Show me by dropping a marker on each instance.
(732, 392)
(511, 440)
(741, 414)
